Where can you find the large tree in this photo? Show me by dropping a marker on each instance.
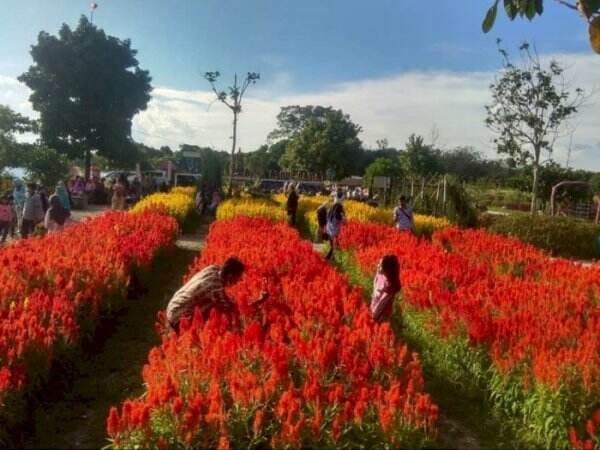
(529, 109)
(87, 87)
(588, 9)
(326, 145)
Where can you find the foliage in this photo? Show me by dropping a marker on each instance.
(12, 123)
(178, 203)
(87, 87)
(44, 164)
(327, 145)
(419, 158)
(560, 236)
(382, 167)
(589, 9)
(529, 321)
(530, 104)
(300, 372)
(468, 164)
(53, 289)
(459, 209)
(266, 159)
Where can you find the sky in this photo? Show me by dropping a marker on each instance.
(395, 66)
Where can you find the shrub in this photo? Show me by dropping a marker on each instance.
(176, 204)
(561, 236)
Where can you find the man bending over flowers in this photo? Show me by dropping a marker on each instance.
(206, 290)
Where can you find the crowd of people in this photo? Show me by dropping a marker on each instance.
(27, 208)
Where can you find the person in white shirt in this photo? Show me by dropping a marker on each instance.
(403, 216)
(57, 216)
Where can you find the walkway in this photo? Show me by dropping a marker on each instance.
(107, 375)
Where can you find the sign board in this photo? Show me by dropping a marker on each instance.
(381, 182)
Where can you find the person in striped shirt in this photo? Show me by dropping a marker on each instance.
(206, 290)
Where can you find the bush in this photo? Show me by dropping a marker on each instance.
(561, 236)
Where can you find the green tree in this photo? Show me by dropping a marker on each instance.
(12, 123)
(383, 167)
(87, 87)
(45, 165)
(326, 145)
(233, 100)
(292, 119)
(530, 104)
(420, 159)
(588, 9)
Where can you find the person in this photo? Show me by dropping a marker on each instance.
(6, 218)
(43, 197)
(19, 195)
(386, 285)
(63, 195)
(214, 204)
(322, 223)
(119, 193)
(136, 189)
(57, 216)
(33, 212)
(403, 216)
(335, 218)
(292, 205)
(206, 290)
(199, 200)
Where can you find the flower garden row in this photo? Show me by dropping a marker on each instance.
(309, 369)
(501, 314)
(54, 290)
(491, 312)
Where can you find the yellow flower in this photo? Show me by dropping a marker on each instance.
(250, 207)
(176, 204)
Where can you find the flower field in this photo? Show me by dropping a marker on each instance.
(501, 314)
(178, 203)
(309, 369)
(250, 207)
(53, 288)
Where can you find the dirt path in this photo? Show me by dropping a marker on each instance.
(77, 419)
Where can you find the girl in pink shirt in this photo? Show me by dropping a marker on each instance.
(386, 286)
(6, 217)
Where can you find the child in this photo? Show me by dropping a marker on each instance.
(6, 218)
(385, 287)
(322, 222)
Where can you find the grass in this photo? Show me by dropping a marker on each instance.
(81, 393)
(467, 419)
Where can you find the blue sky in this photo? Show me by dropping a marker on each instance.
(301, 48)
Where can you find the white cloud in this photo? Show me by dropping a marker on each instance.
(391, 107)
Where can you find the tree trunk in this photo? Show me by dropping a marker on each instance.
(231, 162)
(534, 187)
(88, 164)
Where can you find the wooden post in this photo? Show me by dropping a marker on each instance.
(444, 194)
(412, 187)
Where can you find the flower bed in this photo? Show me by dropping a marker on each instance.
(250, 207)
(53, 288)
(310, 369)
(178, 203)
(503, 315)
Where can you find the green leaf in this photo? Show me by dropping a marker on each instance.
(511, 9)
(531, 9)
(593, 6)
(539, 6)
(490, 18)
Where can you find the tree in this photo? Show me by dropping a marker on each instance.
(12, 123)
(383, 167)
(326, 145)
(420, 159)
(236, 94)
(265, 160)
(589, 10)
(87, 87)
(292, 119)
(529, 107)
(45, 165)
